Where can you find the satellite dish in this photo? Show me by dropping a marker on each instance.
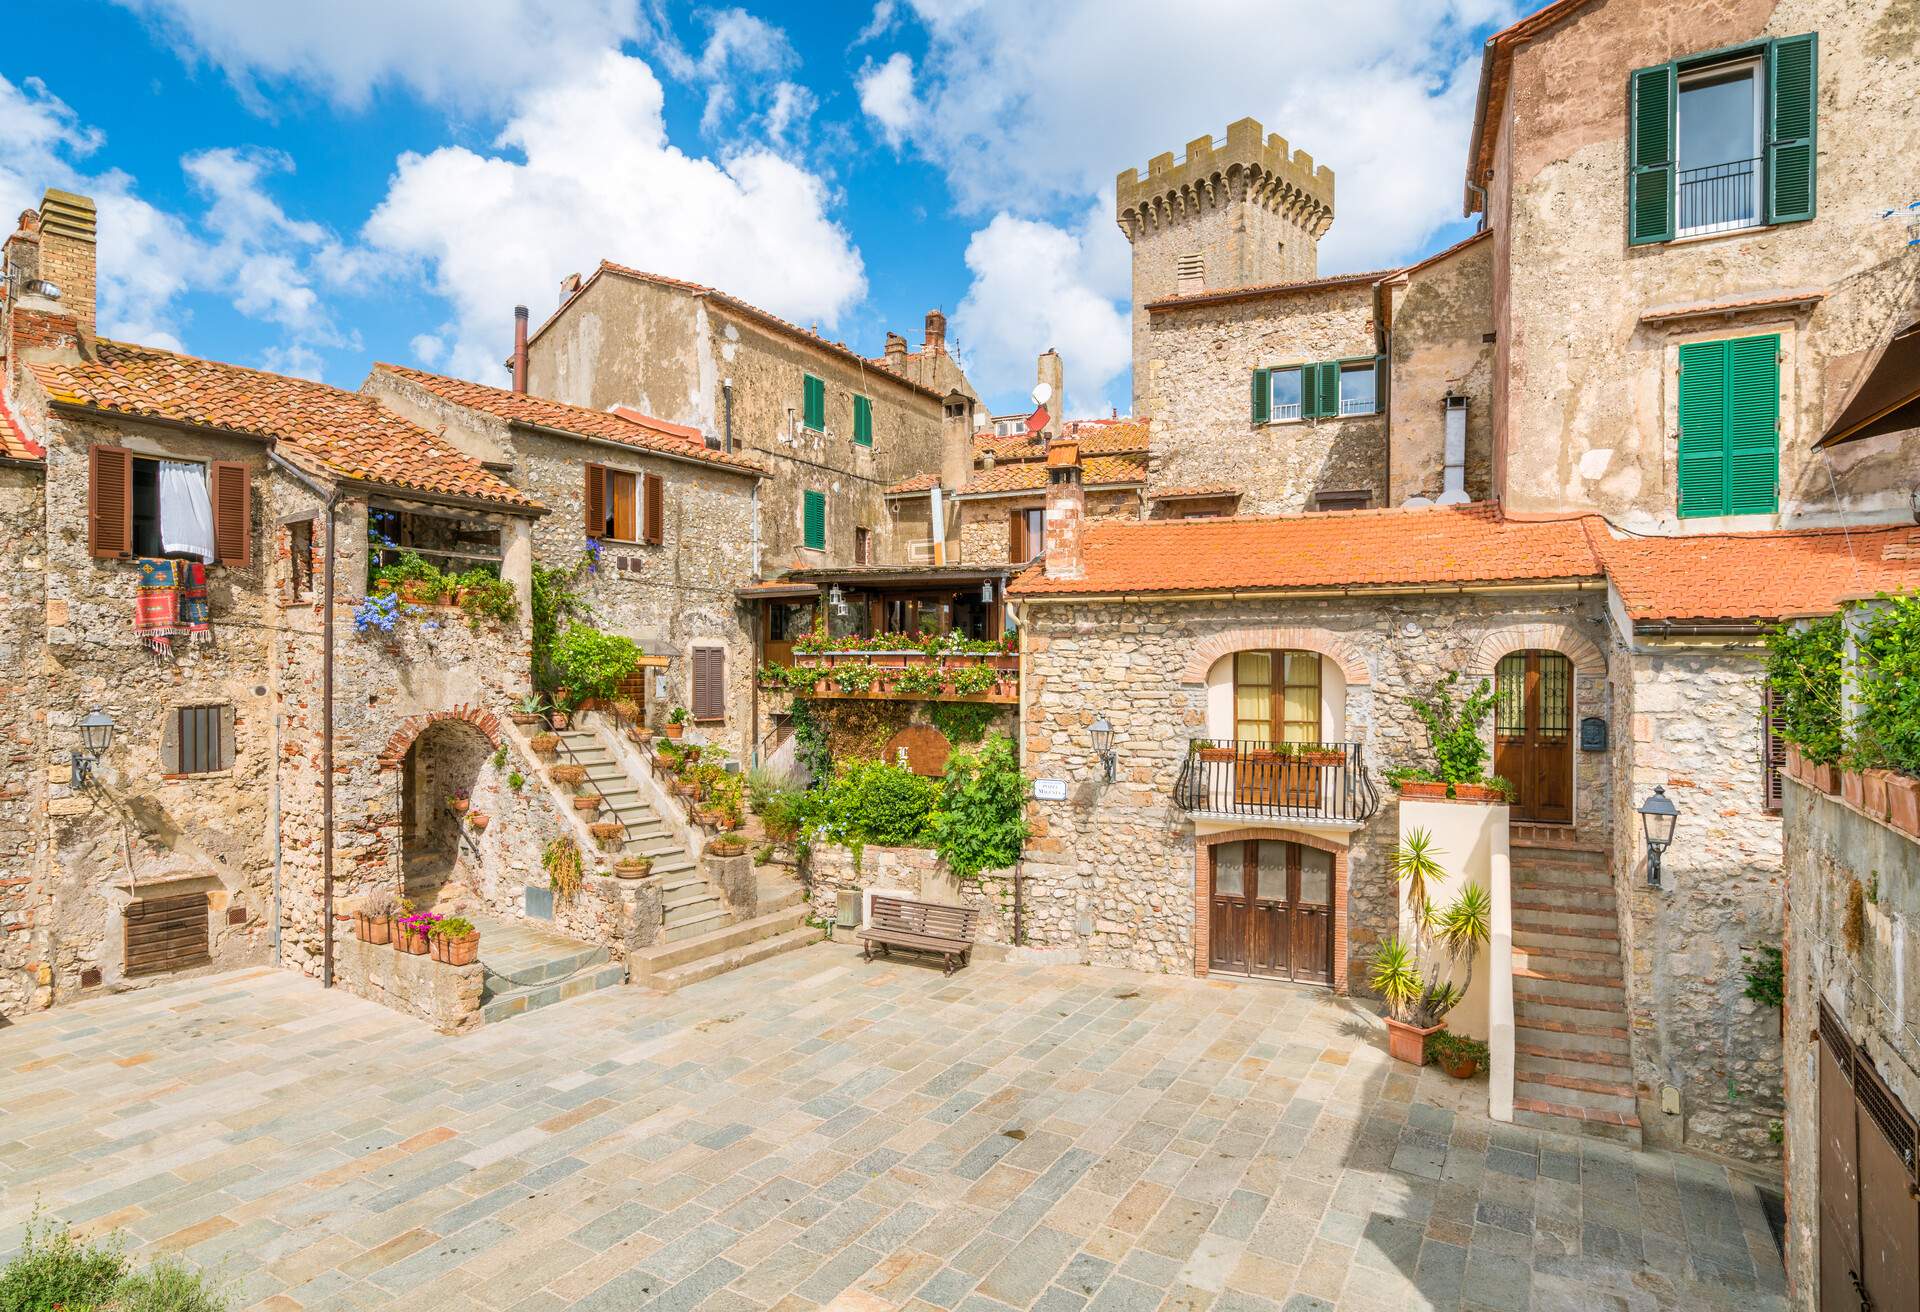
(1042, 393)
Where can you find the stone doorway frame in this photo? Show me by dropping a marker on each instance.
(1203, 845)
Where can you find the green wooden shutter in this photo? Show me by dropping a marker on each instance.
(814, 404)
(1650, 148)
(1262, 395)
(1326, 389)
(1791, 98)
(1309, 391)
(1703, 429)
(863, 421)
(813, 506)
(1753, 425)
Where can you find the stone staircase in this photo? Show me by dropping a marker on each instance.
(693, 906)
(780, 926)
(1572, 1066)
(526, 968)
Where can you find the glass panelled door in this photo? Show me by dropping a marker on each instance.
(1533, 734)
(1276, 700)
(1271, 911)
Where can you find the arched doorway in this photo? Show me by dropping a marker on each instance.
(1270, 910)
(443, 762)
(1533, 733)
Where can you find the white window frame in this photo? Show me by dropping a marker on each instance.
(1372, 369)
(1289, 413)
(1755, 68)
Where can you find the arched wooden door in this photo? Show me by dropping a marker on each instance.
(1270, 911)
(1533, 734)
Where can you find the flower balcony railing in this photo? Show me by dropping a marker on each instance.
(1276, 781)
(893, 674)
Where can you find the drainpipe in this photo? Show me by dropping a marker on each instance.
(1383, 379)
(939, 528)
(726, 395)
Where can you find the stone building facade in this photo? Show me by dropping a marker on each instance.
(934, 366)
(696, 357)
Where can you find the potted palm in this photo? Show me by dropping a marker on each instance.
(1419, 996)
(529, 709)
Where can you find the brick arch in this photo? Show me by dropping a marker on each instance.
(1332, 645)
(394, 755)
(1203, 845)
(1585, 654)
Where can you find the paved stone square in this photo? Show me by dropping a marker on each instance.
(817, 1131)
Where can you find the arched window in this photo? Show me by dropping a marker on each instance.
(1276, 696)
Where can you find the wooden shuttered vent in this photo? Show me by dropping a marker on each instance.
(166, 933)
(110, 496)
(709, 683)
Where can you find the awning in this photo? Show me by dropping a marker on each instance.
(777, 590)
(1887, 397)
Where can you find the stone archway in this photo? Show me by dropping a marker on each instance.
(1335, 647)
(443, 760)
(1588, 660)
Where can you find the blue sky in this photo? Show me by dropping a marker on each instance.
(311, 187)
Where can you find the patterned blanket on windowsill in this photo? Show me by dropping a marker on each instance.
(170, 602)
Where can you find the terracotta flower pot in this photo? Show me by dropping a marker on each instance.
(1796, 763)
(1477, 793)
(1461, 1068)
(589, 802)
(674, 731)
(559, 719)
(412, 942)
(633, 867)
(1903, 804)
(524, 717)
(1825, 778)
(1422, 789)
(544, 744)
(1408, 1043)
(1216, 754)
(456, 951)
(1874, 792)
(379, 930)
(479, 820)
(460, 805)
(1853, 789)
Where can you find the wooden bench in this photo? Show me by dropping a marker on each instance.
(899, 922)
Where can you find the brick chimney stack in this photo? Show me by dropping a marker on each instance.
(67, 256)
(1066, 512)
(936, 343)
(520, 348)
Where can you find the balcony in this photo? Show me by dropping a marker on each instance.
(1718, 198)
(1306, 783)
(900, 674)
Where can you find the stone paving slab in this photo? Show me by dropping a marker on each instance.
(812, 1131)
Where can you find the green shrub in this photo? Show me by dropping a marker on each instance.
(1453, 729)
(961, 723)
(589, 663)
(981, 823)
(487, 596)
(54, 1270)
(168, 1286)
(1803, 669)
(875, 802)
(920, 681)
(1888, 687)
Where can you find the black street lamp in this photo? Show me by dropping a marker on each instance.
(1102, 735)
(96, 732)
(1658, 816)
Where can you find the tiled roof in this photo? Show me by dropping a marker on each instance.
(1195, 492)
(1097, 472)
(1437, 546)
(1776, 299)
(14, 442)
(1757, 576)
(918, 483)
(339, 434)
(1097, 437)
(519, 407)
(766, 317)
(1270, 289)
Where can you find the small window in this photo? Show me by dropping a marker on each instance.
(1357, 389)
(863, 546)
(172, 513)
(300, 559)
(709, 683)
(1286, 393)
(197, 740)
(1354, 500)
(813, 516)
(813, 404)
(1719, 136)
(863, 421)
(623, 505)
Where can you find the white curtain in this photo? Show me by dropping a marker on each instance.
(186, 513)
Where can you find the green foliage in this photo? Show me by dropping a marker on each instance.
(54, 1270)
(487, 596)
(555, 603)
(1394, 973)
(451, 927)
(678, 715)
(1448, 1046)
(763, 854)
(962, 723)
(1887, 690)
(762, 784)
(933, 644)
(1803, 669)
(875, 802)
(784, 814)
(981, 823)
(799, 679)
(1766, 978)
(516, 780)
(589, 663)
(1416, 863)
(499, 756)
(854, 677)
(919, 681)
(1453, 728)
(972, 680)
(810, 744)
(169, 1285)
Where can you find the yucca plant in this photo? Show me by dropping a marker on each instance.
(1416, 863)
(1464, 927)
(1395, 975)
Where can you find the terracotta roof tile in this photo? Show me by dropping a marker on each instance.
(1097, 472)
(1377, 548)
(1097, 437)
(14, 442)
(1776, 299)
(918, 483)
(1195, 492)
(1757, 576)
(630, 428)
(339, 434)
(1254, 290)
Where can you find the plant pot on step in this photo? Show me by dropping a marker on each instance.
(462, 951)
(567, 775)
(633, 867)
(608, 833)
(479, 820)
(726, 845)
(674, 731)
(1423, 788)
(524, 718)
(1406, 1042)
(587, 802)
(1903, 804)
(544, 744)
(1477, 793)
(376, 930)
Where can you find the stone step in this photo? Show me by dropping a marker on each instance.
(693, 895)
(1539, 914)
(1607, 1095)
(1569, 990)
(1598, 1034)
(1580, 1063)
(506, 971)
(1529, 933)
(1540, 1114)
(1580, 1013)
(1526, 846)
(734, 958)
(1561, 872)
(667, 956)
(520, 1001)
(695, 925)
(1567, 896)
(1601, 962)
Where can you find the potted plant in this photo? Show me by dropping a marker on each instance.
(1416, 1006)
(529, 709)
(1459, 752)
(1903, 803)
(586, 802)
(632, 867)
(676, 722)
(639, 735)
(411, 932)
(627, 709)
(544, 745)
(1418, 998)
(373, 922)
(561, 860)
(567, 774)
(1456, 1054)
(479, 820)
(1216, 753)
(558, 717)
(727, 845)
(454, 941)
(608, 833)
(459, 802)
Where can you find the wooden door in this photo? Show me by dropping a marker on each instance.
(1228, 910)
(1533, 734)
(1889, 1216)
(1839, 1195)
(1271, 912)
(166, 933)
(1312, 915)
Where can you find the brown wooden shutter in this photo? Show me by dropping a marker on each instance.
(656, 509)
(166, 933)
(1773, 752)
(110, 502)
(232, 513)
(709, 683)
(596, 500)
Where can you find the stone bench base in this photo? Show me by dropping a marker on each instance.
(446, 997)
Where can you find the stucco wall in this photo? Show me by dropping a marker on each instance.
(1201, 362)
(1589, 413)
(1442, 316)
(986, 526)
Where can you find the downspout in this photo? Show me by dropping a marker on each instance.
(726, 396)
(939, 527)
(1383, 377)
(273, 823)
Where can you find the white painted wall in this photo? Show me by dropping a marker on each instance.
(1333, 701)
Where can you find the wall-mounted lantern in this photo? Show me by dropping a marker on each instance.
(1102, 735)
(1658, 816)
(96, 735)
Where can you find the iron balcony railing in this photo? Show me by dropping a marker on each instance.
(1276, 781)
(1719, 197)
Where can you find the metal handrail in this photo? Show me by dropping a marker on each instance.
(1717, 197)
(1279, 781)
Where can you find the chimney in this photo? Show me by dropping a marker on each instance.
(956, 441)
(896, 352)
(568, 286)
(1066, 512)
(1054, 375)
(936, 343)
(520, 348)
(67, 256)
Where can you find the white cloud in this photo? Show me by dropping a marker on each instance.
(1035, 285)
(596, 177)
(428, 349)
(469, 53)
(881, 22)
(887, 96)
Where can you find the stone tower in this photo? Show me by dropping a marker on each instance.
(1236, 214)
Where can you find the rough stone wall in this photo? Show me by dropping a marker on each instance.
(446, 997)
(919, 873)
(1589, 414)
(24, 897)
(1116, 861)
(1692, 724)
(986, 527)
(1442, 316)
(1201, 362)
(1829, 848)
